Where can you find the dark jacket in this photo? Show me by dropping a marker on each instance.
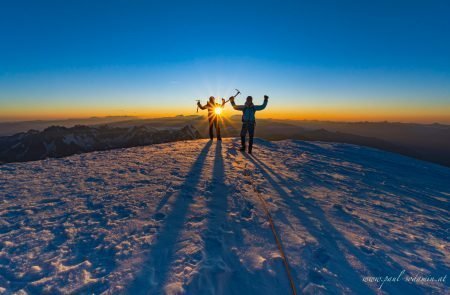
(248, 111)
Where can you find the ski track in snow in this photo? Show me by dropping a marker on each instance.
(183, 217)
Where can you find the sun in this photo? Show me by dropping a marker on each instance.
(218, 111)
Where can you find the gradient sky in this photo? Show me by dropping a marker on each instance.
(336, 60)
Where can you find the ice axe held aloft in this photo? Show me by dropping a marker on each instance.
(198, 101)
(237, 93)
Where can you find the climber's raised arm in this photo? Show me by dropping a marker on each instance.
(236, 107)
(263, 106)
(200, 105)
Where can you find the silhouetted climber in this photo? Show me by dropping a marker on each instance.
(213, 115)
(248, 119)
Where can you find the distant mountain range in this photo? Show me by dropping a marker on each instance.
(59, 141)
(430, 142)
(13, 127)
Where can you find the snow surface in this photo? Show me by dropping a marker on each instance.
(184, 217)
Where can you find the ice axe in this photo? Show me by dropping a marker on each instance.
(237, 93)
(198, 101)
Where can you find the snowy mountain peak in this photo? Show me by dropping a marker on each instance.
(184, 218)
(56, 141)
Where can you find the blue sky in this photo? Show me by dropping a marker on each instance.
(126, 56)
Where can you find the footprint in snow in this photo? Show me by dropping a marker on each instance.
(159, 216)
(126, 187)
(122, 211)
(247, 212)
(48, 201)
(95, 180)
(197, 218)
(7, 168)
(94, 205)
(144, 181)
(315, 277)
(10, 197)
(368, 247)
(247, 172)
(321, 256)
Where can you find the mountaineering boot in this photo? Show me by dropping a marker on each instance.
(242, 149)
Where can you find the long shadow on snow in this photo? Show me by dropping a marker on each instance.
(376, 180)
(212, 269)
(220, 271)
(327, 234)
(152, 277)
(350, 279)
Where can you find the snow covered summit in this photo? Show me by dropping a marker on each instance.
(184, 218)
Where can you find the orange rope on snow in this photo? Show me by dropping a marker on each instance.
(277, 238)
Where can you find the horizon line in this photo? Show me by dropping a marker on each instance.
(228, 116)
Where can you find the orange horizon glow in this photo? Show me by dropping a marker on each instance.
(341, 114)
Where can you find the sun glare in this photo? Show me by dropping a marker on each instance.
(218, 111)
